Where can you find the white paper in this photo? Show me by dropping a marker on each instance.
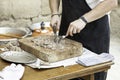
(88, 58)
(67, 62)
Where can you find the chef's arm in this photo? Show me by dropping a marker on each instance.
(54, 6)
(55, 19)
(100, 10)
(96, 13)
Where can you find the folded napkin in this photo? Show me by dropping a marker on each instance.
(90, 58)
(12, 72)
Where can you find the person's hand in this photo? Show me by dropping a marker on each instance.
(75, 27)
(55, 21)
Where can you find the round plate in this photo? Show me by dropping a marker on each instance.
(12, 31)
(18, 57)
(36, 26)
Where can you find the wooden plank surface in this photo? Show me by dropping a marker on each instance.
(61, 73)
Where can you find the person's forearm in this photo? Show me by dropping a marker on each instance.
(54, 6)
(100, 10)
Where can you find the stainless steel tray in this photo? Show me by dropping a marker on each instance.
(10, 30)
(18, 57)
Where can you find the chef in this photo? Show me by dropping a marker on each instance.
(85, 21)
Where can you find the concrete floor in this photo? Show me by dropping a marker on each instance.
(113, 73)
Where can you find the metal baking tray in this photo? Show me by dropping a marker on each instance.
(10, 31)
(18, 57)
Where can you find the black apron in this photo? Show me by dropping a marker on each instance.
(95, 36)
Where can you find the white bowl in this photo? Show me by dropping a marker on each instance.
(36, 26)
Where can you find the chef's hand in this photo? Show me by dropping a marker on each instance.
(75, 27)
(55, 21)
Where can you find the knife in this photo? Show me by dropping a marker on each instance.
(55, 33)
(57, 38)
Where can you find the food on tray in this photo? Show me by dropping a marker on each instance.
(41, 28)
(13, 46)
(46, 49)
(46, 31)
(48, 43)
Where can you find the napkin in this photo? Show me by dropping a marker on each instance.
(90, 58)
(12, 72)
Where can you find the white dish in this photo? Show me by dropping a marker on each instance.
(18, 57)
(36, 26)
(12, 31)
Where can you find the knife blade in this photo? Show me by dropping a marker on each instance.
(57, 38)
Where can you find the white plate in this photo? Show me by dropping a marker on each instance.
(14, 31)
(18, 57)
(38, 26)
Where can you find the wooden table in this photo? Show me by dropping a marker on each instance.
(61, 73)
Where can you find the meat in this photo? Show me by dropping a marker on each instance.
(13, 46)
(47, 43)
(47, 50)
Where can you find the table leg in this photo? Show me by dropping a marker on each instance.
(92, 77)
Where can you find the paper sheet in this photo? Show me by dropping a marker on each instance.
(88, 58)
